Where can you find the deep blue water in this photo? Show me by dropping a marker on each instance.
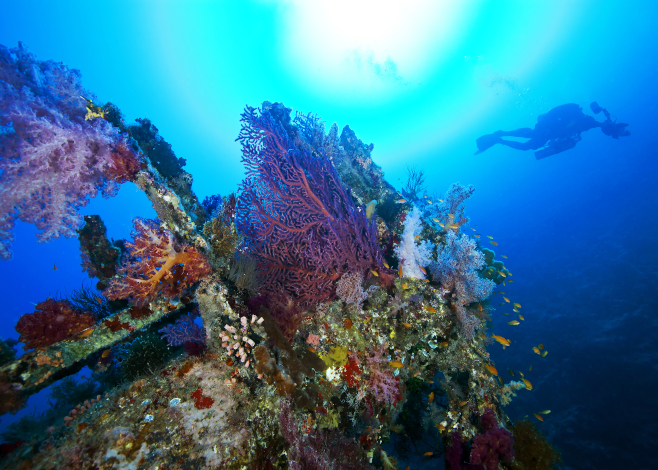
(579, 228)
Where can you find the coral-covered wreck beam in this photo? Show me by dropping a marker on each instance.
(39, 368)
(300, 224)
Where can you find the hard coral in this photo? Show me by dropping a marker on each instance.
(53, 321)
(155, 263)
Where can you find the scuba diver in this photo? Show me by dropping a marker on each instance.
(556, 131)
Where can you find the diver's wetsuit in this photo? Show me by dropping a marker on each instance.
(561, 127)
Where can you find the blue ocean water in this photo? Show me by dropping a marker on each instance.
(421, 81)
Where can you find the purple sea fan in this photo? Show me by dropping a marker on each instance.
(301, 226)
(183, 330)
(456, 269)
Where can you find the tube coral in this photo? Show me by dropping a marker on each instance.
(301, 226)
(155, 263)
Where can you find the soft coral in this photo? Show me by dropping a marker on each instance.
(155, 263)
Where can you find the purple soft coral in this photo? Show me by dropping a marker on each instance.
(495, 443)
(53, 160)
(183, 331)
(300, 224)
(381, 383)
(456, 269)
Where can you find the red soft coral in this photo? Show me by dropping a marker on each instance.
(155, 263)
(53, 321)
(495, 443)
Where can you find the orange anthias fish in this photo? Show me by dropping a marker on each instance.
(400, 271)
(527, 384)
(423, 270)
(491, 369)
(513, 322)
(463, 403)
(494, 243)
(539, 417)
(404, 286)
(445, 344)
(517, 305)
(87, 332)
(541, 346)
(504, 256)
(401, 201)
(430, 309)
(436, 220)
(396, 364)
(54, 267)
(480, 307)
(430, 398)
(427, 454)
(406, 325)
(506, 299)
(106, 353)
(544, 354)
(501, 340)
(536, 350)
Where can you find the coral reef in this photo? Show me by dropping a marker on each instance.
(182, 331)
(414, 257)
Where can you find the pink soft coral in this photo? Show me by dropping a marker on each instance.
(155, 263)
(383, 385)
(52, 159)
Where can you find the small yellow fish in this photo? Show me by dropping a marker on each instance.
(436, 220)
(504, 283)
(509, 280)
(536, 350)
(427, 454)
(494, 243)
(530, 368)
(440, 427)
(501, 380)
(440, 200)
(430, 398)
(501, 273)
(400, 271)
(98, 299)
(444, 344)
(491, 369)
(541, 346)
(521, 317)
(473, 229)
(539, 417)
(429, 201)
(374, 273)
(506, 299)
(514, 322)
(480, 307)
(527, 384)
(441, 225)
(515, 310)
(430, 381)
(430, 309)
(386, 266)
(544, 354)
(453, 226)
(511, 372)
(406, 325)
(396, 364)
(504, 256)
(545, 412)
(501, 340)
(404, 286)
(106, 353)
(401, 201)
(521, 374)
(489, 236)
(463, 403)
(517, 305)
(506, 314)
(422, 269)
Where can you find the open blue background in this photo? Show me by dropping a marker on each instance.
(422, 80)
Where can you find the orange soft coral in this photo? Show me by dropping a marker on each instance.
(155, 263)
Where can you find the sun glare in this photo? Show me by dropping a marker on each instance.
(366, 45)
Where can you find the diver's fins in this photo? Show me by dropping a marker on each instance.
(486, 141)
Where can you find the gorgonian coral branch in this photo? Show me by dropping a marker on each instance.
(300, 224)
(155, 263)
